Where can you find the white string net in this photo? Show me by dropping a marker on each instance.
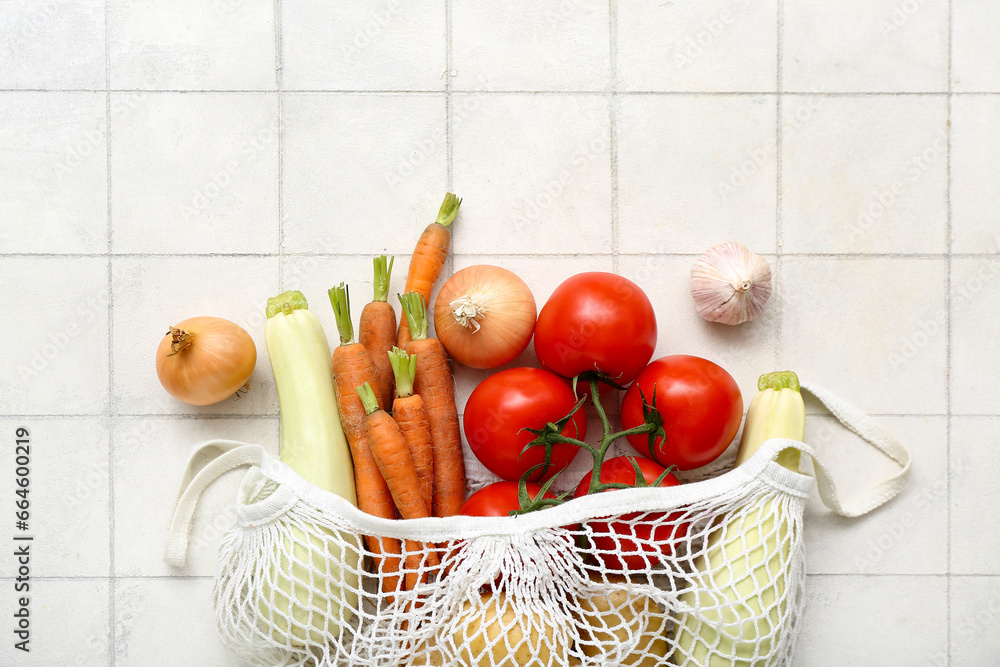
(703, 574)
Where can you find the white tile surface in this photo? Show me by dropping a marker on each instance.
(68, 496)
(307, 136)
(142, 639)
(975, 63)
(975, 141)
(856, 179)
(52, 46)
(718, 45)
(371, 162)
(694, 171)
(909, 536)
(530, 45)
(194, 173)
(70, 625)
(149, 460)
(865, 46)
(191, 45)
(904, 621)
(974, 542)
(975, 327)
(53, 149)
(153, 294)
(65, 299)
(358, 45)
(975, 618)
(840, 330)
(551, 153)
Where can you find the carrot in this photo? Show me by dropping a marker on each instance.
(434, 384)
(409, 413)
(392, 455)
(428, 259)
(377, 329)
(352, 367)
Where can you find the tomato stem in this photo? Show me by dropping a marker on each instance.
(551, 434)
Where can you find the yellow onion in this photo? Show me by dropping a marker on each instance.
(484, 316)
(204, 360)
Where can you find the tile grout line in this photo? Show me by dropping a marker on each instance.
(613, 129)
(948, 340)
(778, 136)
(595, 253)
(396, 91)
(109, 408)
(448, 145)
(449, 262)
(279, 81)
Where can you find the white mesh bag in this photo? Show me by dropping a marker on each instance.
(716, 569)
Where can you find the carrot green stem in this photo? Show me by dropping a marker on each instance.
(383, 272)
(340, 299)
(368, 399)
(449, 209)
(404, 367)
(285, 302)
(416, 314)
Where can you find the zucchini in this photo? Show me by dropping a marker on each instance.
(313, 445)
(742, 564)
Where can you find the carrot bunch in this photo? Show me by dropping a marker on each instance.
(408, 464)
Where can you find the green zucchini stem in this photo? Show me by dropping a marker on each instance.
(285, 303)
(778, 380)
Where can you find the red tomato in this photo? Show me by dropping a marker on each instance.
(508, 401)
(596, 321)
(497, 499)
(701, 407)
(631, 544)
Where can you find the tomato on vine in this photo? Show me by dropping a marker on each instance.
(700, 404)
(502, 409)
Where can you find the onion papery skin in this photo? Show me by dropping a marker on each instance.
(218, 361)
(506, 319)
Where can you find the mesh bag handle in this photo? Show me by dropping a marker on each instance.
(872, 432)
(208, 461)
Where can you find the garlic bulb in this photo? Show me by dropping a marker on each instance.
(730, 284)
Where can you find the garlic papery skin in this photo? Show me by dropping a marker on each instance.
(730, 284)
